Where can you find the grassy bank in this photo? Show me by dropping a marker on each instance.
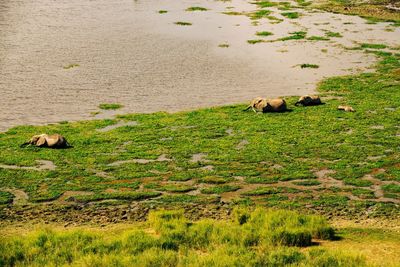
(314, 157)
(373, 10)
(257, 238)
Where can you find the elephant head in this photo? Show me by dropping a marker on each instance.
(308, 100)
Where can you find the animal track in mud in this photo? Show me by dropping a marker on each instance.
(44, 165)
(117, 125)
(161, 158)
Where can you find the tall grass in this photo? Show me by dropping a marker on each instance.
(251, 238)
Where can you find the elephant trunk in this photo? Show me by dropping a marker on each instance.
(247, 108)
(25, 144)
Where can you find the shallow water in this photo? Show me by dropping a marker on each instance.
(128, 53)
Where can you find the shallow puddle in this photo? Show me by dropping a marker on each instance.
(61, 59)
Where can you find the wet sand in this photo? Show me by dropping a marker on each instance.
(128, 53)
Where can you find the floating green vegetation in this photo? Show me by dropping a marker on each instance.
(291, 15)
(223, 45)
(219, 189)
(256, 41)
(307, 65)
(70, 66)
(259, 14)
(233, 13)
(318, 38)
(333, 34)
(162, 11)
(110, 106)
(294, 36)
(284, 6)
(183, 23)
(196, 8)
(374, 46)
(263, 4)
(264, 33)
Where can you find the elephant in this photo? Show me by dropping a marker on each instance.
(346, 108)
(45, 140)
(309, 100)
(267, 105)
(275, 105)
(257, 104)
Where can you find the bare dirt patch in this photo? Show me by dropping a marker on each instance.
(44, 165)
(161, 158)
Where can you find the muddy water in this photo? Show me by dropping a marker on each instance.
(128, 53)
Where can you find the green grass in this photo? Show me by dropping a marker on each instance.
(373, 11)
(307, 183)
(283, 151)
(357, 182)
(183, 23)
(391, 188)
(291, 15)
(264, 33)
(110, 106)
(307, 65)
(5, 198)
(162, 11)
(216, 180)
(220, 189)
(261, 191)
(251, 238)
(196, 8)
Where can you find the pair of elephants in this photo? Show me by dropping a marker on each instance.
(279, 105)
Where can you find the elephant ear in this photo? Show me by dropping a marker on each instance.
(41, 141)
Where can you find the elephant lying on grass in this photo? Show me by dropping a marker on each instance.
(268, 105)
(51, 141)
(309, 100)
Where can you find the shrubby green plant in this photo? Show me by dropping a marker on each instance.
(256, 237)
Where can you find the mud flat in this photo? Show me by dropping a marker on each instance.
(61, 59)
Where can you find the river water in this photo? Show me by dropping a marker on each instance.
(126, 52)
